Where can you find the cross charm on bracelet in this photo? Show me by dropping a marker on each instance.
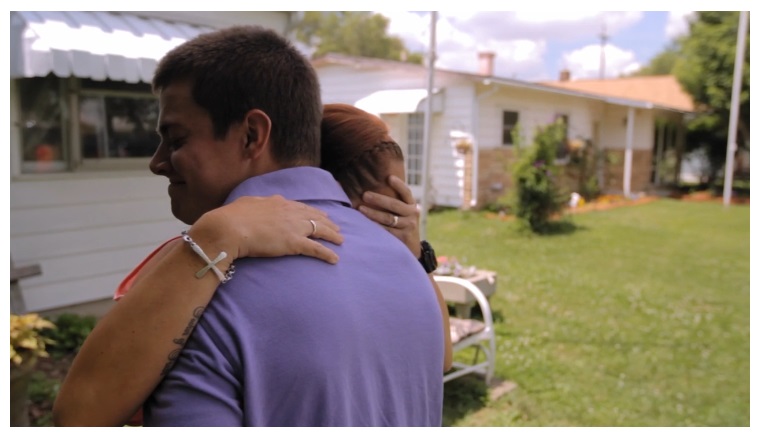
(211, 265)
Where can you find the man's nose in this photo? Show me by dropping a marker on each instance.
(160, 162)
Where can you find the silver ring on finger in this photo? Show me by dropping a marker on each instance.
(395, 219)
(315, 227)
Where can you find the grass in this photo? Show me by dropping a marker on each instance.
(635, 316)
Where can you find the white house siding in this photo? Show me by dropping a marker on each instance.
(536, 109)
(85, 232)
(346, 84)
(447, 165)
(615, 120)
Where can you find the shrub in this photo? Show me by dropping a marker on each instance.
(537, 197)
(28, 339)
(70, 332)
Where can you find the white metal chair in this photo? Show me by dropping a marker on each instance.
(467, 333)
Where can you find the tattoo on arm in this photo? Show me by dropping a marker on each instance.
(180, 342)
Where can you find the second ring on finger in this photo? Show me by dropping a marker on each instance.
(395, 220)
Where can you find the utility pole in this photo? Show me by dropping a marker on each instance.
(731, 144)
(428, 128)
(602, 60)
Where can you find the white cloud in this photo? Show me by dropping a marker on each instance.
(512, 58)
(586, 61)
(522, 40)
(502, 25)
(411, 27)
(678, 23)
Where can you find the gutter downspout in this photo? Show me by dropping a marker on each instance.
(475, 147)
(628, 153)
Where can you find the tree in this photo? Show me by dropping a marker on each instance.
(354, 33)
(705, 69)
(662, 63)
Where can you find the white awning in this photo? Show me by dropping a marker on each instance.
(96, 45)
(399, 101)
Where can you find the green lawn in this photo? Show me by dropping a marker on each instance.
(639, 316)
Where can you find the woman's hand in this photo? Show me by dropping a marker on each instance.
(270, 227)
(383, 209)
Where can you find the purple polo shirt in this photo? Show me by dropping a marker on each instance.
(295, 341)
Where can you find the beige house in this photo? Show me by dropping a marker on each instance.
(635, 126)
(84, 208)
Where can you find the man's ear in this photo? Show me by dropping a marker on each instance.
(257, 132)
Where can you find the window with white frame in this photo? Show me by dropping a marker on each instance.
(415, 157)
(510, 120)
(69, 124)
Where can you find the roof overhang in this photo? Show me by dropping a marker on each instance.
(95, 45)
(399, 101)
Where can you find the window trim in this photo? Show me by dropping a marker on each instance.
(95, 164)
(503, 127)
(409, 171)
(71, 91)
(23, 167)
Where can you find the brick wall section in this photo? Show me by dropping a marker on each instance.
(495, 171)
(641, 170)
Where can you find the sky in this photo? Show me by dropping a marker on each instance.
(533, 41)
(536, 46)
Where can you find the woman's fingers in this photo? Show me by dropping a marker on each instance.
(406, 195)
(389, 204)
(319, 226)
(323, 228)
(397, 216)
(274, 226)
(311, 248)
(385, 218)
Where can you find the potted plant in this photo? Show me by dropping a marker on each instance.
(27, 345)
(464, 146)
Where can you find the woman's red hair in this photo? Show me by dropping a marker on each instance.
(356, 148)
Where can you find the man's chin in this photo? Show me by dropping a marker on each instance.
(185, 216)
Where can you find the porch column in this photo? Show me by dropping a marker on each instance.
(661, 135)
(628, 153)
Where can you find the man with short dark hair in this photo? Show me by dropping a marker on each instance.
(287, 341)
